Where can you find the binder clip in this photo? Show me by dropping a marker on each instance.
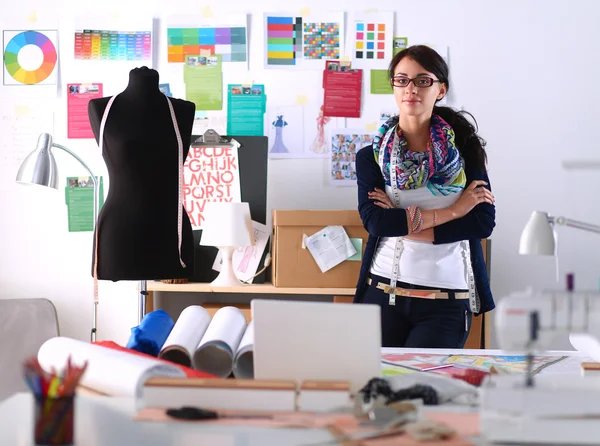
(211, 139)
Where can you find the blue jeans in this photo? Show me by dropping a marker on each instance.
(420, 323)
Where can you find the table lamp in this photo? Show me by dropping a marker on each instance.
(39, 168)
(538, 235)
(227, 226)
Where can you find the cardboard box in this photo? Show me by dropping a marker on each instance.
(294, 266)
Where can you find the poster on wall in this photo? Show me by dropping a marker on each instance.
(298, 131)
(302, 42)
(345, 143)
(193, 35)
(210, 174)
(30, 58)
(78, 98)
(371, 35)
(113, 39)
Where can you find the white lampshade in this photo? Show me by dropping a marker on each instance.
(227, 224)
(537, 237)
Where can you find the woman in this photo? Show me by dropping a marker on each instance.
(424, 197)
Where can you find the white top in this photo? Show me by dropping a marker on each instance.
(423, 263)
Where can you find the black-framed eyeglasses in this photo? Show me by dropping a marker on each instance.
(419, 81)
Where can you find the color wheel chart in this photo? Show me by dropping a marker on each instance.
(30, 57)
(229, 42)
(113, 45)
(293, 41)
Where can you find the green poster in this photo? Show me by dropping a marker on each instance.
(246, 106)
(400, 43)
(79, 197)
(380, 83)
(203, 77)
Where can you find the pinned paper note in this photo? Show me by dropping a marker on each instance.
(330, 247)
(371, 126)
(31, 18)
(207, 12)
(305, 12)
(301, 99)
(22, 110)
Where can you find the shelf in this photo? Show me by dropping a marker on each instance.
(259, 288)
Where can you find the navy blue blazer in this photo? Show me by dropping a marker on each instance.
(476, 225)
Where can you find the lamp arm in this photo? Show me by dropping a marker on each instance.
(575, 224)
(94, 180)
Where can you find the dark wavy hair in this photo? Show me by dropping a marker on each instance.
(470, 145)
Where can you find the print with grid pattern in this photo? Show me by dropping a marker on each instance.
(370, 42)
(229, 42)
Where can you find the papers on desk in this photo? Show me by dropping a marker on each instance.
(111, 372)
(220, 346)
(330, 247)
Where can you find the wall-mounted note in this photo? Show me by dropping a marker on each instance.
(301, 99)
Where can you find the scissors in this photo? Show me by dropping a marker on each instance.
(197, 413)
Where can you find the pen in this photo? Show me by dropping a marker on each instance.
(437, 367)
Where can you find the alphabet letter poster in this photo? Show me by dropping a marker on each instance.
(210, 174)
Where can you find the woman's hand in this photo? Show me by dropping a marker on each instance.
(473, 195)
(381, 199)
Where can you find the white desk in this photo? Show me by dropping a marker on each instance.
(107, 421)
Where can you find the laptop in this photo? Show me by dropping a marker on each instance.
(296, 340)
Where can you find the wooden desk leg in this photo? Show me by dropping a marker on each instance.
(149, 301)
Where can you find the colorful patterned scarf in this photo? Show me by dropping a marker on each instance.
(440, 168)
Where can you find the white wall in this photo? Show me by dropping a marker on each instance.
(527, 70)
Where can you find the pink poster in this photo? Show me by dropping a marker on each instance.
(78, 96)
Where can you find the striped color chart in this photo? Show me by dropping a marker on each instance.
(113, 45)
(284, 40)
(229, 42)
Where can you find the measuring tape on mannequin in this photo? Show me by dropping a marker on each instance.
(179, 188)
(399, 247)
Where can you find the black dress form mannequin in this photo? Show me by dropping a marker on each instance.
(138, 236)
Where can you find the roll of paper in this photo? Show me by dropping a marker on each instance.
(216, 350)
(186, 335)
(243, 362)
(109, 371)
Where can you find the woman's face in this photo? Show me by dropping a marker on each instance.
(416, 100)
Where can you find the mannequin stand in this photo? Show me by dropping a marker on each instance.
(142, 302)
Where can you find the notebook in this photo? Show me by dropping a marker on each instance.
(301, 341)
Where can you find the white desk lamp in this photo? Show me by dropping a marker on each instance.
(39, 168)
(538, 235)
(227, 226)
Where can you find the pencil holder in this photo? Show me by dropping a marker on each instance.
(53, 420)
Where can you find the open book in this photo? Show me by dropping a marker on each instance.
(220, 346)
(111, 372)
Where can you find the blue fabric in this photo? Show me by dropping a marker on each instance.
(151, 334)
(476, 225)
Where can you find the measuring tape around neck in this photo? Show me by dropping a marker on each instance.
(399, 246)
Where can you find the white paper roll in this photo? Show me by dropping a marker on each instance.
(216, 350)
(109, 371)
(186, 335)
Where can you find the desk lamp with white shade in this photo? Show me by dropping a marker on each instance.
(227, 226)
(39, 168)
(538, 235)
